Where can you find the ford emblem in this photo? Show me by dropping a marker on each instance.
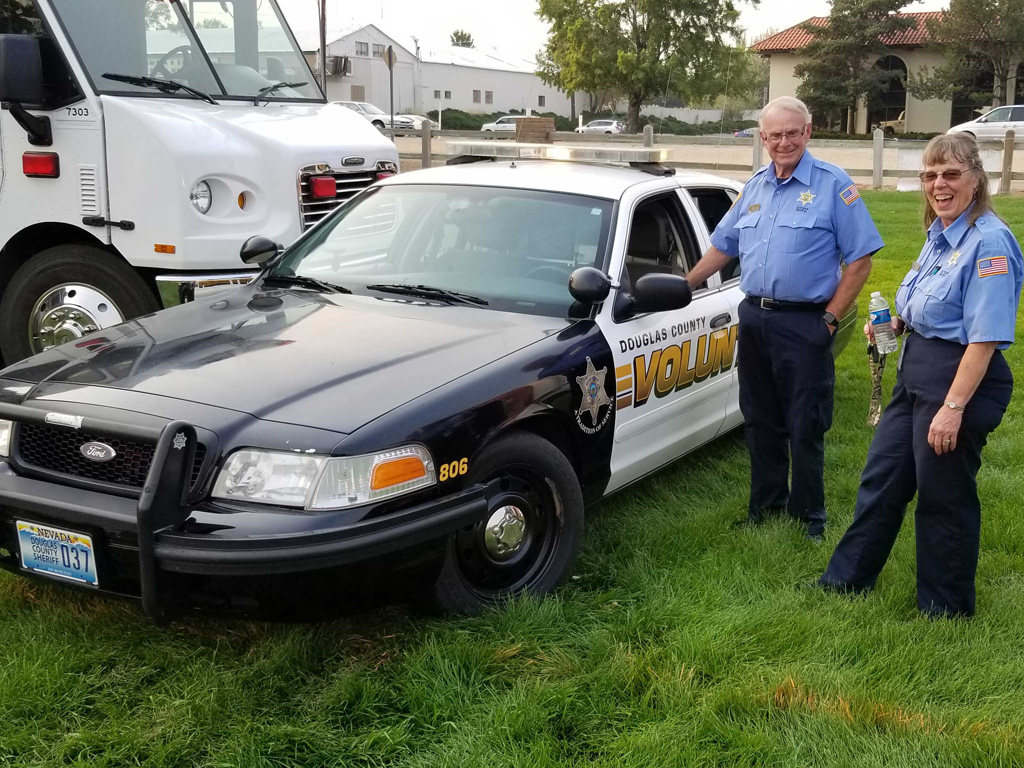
(94, 451)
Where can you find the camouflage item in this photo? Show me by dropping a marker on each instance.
(876, 363)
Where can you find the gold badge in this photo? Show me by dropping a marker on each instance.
(806, 198)
(953, 258)
(754, 207)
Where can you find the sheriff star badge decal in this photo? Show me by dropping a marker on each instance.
(594, 396)
(806, 198)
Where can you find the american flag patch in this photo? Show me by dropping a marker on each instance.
(850, 194)
(997, 265)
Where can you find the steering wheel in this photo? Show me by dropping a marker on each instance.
(560, 273)
(161, 66)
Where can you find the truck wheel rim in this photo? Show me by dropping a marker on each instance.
(526, 510)
(67, 312)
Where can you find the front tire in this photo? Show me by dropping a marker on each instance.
(530, 539)
(378, 125)
(66, 292)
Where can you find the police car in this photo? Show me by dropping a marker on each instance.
(434, 382)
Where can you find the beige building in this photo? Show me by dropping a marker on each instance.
(907, 54)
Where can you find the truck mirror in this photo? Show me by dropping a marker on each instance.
(258, 249)
(21, 70)
(659, 293)
(589, 285)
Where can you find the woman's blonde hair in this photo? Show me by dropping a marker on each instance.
(960, 147)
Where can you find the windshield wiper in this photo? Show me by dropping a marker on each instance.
(167, 86)
(271, 88)
(429, 292)
(307, 282)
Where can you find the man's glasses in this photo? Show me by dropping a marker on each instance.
(791, 135)
(950, 176)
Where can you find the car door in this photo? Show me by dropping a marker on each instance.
(1017, 123)
(995, 125)
(671, 368)
(712, 203)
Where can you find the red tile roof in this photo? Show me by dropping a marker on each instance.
(794, 38)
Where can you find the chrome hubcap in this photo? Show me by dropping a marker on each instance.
(68, 312)
(505, 532)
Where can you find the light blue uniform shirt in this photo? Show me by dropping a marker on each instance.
(791, 235)
(965, 285)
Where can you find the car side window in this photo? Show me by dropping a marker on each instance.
(660, 240)
(998, 115)
(713, 203)
(1017, 115)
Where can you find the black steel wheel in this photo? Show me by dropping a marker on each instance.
(530, 538)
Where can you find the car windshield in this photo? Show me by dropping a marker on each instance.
(235, 49)
(515, 249)
(372, 110)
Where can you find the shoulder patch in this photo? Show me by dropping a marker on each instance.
(995, 265)
(850, 194)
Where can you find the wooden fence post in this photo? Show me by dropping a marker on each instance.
(1004, 177)
(878, 137)
(425, 146)
(758, 149)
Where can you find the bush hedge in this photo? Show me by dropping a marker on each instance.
(457, 120)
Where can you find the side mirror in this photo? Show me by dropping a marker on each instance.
(258, 250)
(589, 285)
(21, 70)
(659, 293)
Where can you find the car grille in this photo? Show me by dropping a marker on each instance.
(57, 450)
(349, 184)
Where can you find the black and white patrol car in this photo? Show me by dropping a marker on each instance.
(436, 380)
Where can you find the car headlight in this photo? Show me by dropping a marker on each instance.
(6, 428)
(321, 482)
(201, 197)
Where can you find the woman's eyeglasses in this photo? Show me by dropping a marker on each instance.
(949, 176)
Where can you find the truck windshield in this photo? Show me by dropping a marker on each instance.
(232, 49)
(509, 250)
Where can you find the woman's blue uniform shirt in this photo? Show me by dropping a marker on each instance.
(791, 235)
(965, 285)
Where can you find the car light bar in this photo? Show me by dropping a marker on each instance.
(587, 154)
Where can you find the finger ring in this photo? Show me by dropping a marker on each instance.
(948, 440)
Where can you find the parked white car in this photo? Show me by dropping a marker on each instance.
(602, 126)
(992, 126)
(417, 121)
(378, 117)
(506, 124)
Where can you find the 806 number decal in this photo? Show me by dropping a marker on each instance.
(453, 469)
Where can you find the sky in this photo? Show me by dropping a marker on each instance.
(512, 26)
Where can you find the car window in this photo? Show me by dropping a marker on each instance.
(713, 203)
(660, 240)
(513, 248)
(998, 115)
(1017, 114)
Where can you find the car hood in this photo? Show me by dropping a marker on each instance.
(330, 361)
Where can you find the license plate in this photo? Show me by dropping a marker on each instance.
(56, 552)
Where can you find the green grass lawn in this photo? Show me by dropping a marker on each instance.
(678, 642)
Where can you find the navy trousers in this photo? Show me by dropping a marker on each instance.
(787, 377)
(947, 522)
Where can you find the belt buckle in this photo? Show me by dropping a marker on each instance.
(767, 303)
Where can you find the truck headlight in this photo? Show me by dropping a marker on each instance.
(201, 197)
(320, 482)
(6, 428)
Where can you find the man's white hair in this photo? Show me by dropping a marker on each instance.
(786, 104)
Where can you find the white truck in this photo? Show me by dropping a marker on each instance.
(142, 142)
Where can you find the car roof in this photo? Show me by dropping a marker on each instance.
(590, 179)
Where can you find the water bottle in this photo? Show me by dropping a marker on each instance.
(881, 324)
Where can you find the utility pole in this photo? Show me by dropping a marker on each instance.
(323, 46)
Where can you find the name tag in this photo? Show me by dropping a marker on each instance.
(915, 266)
(754, 207)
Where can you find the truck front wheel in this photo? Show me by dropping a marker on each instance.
(64, 293)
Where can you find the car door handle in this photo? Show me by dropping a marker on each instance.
(720, 320)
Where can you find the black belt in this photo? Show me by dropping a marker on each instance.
(764, 303)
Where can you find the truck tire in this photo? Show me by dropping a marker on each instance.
(530, 538)
(65, 292)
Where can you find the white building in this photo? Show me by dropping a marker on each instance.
(469, 79)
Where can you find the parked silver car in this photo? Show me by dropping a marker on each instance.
(378, 117)
(603, 126)
(506, 124)
(993, 125)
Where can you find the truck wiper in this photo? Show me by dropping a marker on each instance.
(167, 86)
(307, 282)
(271, 88)
(429, 292)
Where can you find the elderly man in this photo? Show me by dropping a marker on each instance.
(795, 222)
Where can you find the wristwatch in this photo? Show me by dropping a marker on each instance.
(954, 406)
(831, 319)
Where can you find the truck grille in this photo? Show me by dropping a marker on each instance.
(349, 184)
(56, 450)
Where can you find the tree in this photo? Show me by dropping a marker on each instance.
(838, 69)
(212, 22)
(159, 16)
(462, 39)
(972, 36)
(638, 48)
